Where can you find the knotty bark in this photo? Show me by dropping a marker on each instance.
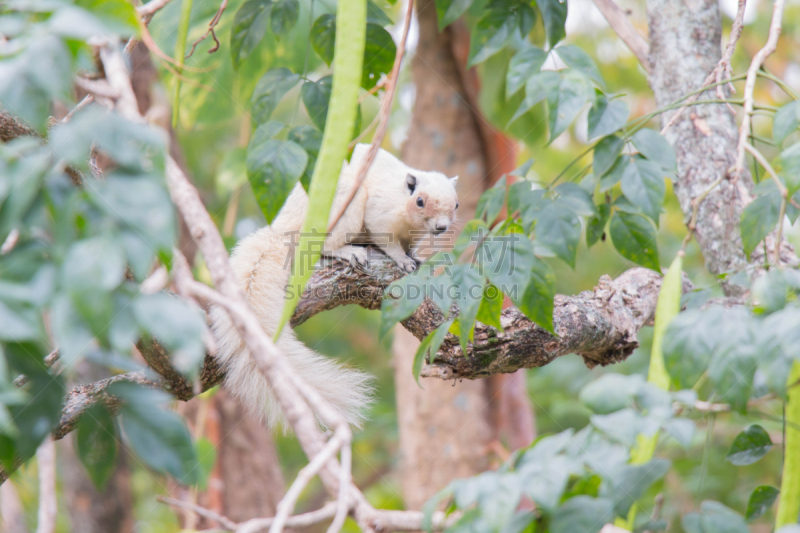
(685, 45)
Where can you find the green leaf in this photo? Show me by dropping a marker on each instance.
(787, 164)
(559, 230)
(379, 51)
(469, 284)
(73, 336)
(284, 16)
(634, 237)
(490, 34)
(143, 207)
(249, 27)
(576, 58)
(714, 518)
(643, 184)
(273, 168)
(448, 11)
(537, 300)
(582, 514)
(577, 199)
(540, 86)
(376, 15)
(606, 153)
(607, 117)
(563, 106)
(491, 306)
(506, 259)
(523, 169)
(749, 446)
(491, 202)
(323, 37)
(611, 392)
(522, 66)
(624, 485)
(614, 175)
(554, 15)
(96, 444)
(758, 219)
(786, 121)
(32, 79)
(596, 225)
(379, 54)
(96, 263)
(45, 394)
(474, 232)
(310, 139)
(270, 89)
(428, 347)
(157, 435)
(176, 325)
(401, 298)
(689, 343)
(655, 147)
(316, 95)
(760, 501)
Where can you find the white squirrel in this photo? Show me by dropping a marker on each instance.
(395, 205)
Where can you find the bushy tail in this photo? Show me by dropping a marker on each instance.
(258, 260)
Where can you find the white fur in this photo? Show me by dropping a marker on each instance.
(260, 262)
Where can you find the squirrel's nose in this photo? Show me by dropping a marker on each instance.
(441, 228)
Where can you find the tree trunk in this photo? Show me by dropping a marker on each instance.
(445, 429)
(685, 46)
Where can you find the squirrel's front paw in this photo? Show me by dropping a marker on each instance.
(406, 263)
(359, 256)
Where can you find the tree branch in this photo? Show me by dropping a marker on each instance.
(600, 326)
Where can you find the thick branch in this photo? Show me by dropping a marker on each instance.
(601, 325)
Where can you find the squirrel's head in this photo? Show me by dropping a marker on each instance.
(432, 201)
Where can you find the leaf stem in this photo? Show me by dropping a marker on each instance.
(348, 54)
(789, 500)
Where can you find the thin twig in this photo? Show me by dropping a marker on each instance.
(304, 477)
(385, 110)
(618, 20)
(202, 511)
(692, 225)
(48, 504)
(750, 84)
(10, 242)
(758, 156)
(88, 99)
(211, 25)
(723, 67)
(345, 478)
(151, 8)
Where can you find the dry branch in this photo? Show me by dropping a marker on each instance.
(618, 20)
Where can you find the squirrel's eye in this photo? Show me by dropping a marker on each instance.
(456, 205)
(420, 203)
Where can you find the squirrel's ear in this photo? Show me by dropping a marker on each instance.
(411, 182)
(454, 180)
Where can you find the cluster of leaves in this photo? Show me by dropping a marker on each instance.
(761, 216)
(85, 241)
(744, 353)
(581, 480)
(277, 161)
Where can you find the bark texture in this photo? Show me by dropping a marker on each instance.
(685, 46)
(444, 429)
